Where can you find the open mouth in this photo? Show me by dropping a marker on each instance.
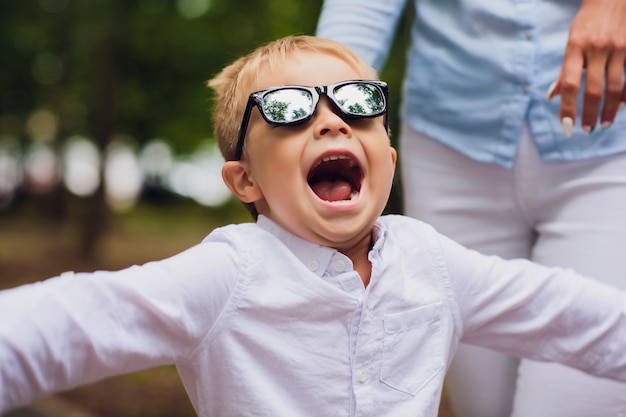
(336, 178)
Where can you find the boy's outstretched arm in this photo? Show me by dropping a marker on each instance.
(79, 328)
(540, 313)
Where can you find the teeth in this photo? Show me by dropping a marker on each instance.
(333, 158)
(336, 157)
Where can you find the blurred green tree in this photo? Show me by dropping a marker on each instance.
(133, 67)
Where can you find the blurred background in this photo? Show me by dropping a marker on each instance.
(106, 151)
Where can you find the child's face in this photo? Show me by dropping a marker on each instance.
(326, 180)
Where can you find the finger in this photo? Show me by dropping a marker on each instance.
(553, 90)
(571, 73)
(567, 123)
(622, 103)
(614, 88)
(594, 85)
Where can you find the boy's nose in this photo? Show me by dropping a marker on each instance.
(327, 121)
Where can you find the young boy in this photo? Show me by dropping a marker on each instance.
(321, 307)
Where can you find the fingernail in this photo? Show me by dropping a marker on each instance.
(568, 126)
(550, 93)
(605, 125)
(588, 129)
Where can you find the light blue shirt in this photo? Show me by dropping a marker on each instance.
(477, 71)
(262, 323)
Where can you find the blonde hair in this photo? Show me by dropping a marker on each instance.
(236, 82)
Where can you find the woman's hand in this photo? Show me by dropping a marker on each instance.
(597, 42)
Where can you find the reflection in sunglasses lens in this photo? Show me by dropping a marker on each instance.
(287, 105)
(360, 99)
(293, 104)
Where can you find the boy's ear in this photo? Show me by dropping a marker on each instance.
(238, 180)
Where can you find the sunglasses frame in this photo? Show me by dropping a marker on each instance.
(256, 99)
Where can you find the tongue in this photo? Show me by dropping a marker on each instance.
(333, 190)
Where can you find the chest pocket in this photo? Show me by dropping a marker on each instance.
(412, 348)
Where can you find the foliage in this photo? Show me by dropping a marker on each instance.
(135, 69)
(136, 65)
(142, 58)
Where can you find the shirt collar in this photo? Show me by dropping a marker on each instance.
(379, 235)
(312, 255)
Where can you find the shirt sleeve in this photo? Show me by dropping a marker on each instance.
(540, 313)
(79, 328)
(365, 26)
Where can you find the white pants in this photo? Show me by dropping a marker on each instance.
(571, 214)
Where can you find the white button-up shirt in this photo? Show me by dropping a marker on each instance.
(262, 323)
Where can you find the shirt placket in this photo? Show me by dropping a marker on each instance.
(366, 341)
(522, 59)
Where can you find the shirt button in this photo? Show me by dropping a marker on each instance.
(313, 265)
(528, 34)
(339, 265)
(363, 376)
(526, 89)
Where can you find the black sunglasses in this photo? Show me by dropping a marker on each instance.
(292, 104)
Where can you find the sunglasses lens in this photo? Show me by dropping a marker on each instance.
(287, 105)
(360, 99)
